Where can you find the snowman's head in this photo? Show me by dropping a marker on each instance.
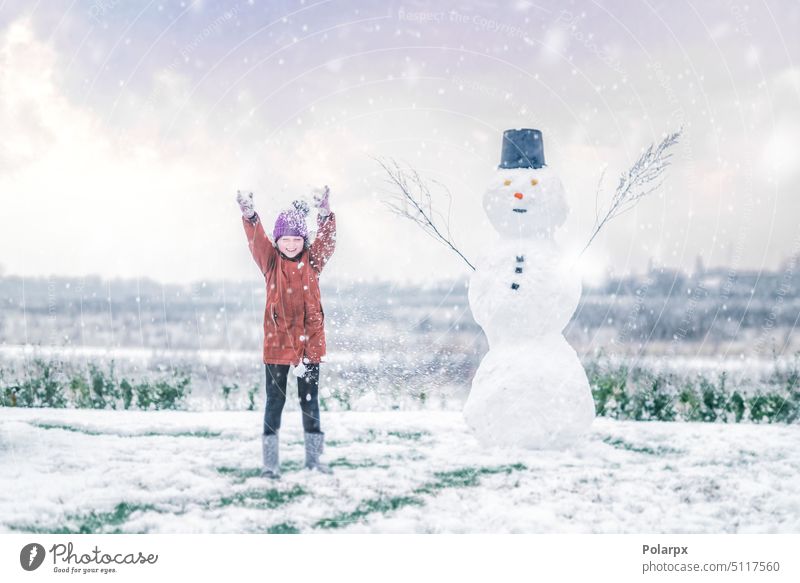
(525, 202)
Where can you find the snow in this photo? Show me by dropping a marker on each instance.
(397, 471)
(542, 400)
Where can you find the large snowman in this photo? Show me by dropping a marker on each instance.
(530, 389)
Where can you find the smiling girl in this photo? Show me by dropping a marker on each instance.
(294, 333)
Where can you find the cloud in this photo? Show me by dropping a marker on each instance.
(782, 121)
(76, 199)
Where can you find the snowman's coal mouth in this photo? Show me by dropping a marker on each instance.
(520, 210)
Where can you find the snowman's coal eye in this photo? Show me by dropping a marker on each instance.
(534, 182)
(506, 181)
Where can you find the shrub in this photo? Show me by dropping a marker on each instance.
(162, 394)
(170, 394)
(251, 398)
(48, 384)
(226, 393)
(637, 393)
(653, 399)
(41, 388)
(127, 390)
(609, 389)
(104, 390)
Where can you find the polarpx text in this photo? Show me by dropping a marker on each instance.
(659, 550)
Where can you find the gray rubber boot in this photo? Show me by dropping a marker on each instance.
(269, 450)
(315, 445)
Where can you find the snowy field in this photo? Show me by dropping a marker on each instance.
(395, 472)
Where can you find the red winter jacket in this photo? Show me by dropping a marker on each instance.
(294, 322)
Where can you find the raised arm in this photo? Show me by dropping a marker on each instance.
(324, 245)
(261, 248)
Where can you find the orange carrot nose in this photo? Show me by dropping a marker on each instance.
(518, 195)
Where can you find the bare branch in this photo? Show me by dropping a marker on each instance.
(597, 194)
(411, 198)
(636, 182)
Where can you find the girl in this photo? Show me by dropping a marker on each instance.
(294, 333)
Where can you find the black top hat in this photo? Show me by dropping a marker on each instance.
(522, 149)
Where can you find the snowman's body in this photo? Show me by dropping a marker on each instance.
(530, 389)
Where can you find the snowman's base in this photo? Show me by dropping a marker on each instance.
(533, 395)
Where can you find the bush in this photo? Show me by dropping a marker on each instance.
(48, 384)
(713, 399)
(169, 394)
(127, 390)
(653, 399)
(689, 403)
(104, 391)
(81, 392)
(251, 398)
(609, 389)
(40, 387)
(227, 390)
(636, 393)
(737, 406)
(163, 394)
(787, 384)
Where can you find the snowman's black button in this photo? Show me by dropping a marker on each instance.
(520, 258)
(518, 270)
(514, 286)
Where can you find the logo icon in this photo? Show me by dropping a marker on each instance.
(31, 556)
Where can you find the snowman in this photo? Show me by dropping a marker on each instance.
(530, 389)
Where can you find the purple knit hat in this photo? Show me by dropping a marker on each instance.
(292, 222)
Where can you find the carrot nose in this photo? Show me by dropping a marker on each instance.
(518, 195)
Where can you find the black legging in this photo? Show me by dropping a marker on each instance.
(307, 389)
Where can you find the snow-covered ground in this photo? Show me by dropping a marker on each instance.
(399, 471)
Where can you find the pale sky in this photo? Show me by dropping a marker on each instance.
(128, 126)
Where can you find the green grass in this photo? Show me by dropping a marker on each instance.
(205, 434)
(239, 475)
(67, 428)
(92, 522)
(262, 498)
(465, 477)
(346, 463)
(283, 528)
(366, 508)
(371, 435)
(620, 443)
(460, 478)
(412, 435)
(110, 522)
